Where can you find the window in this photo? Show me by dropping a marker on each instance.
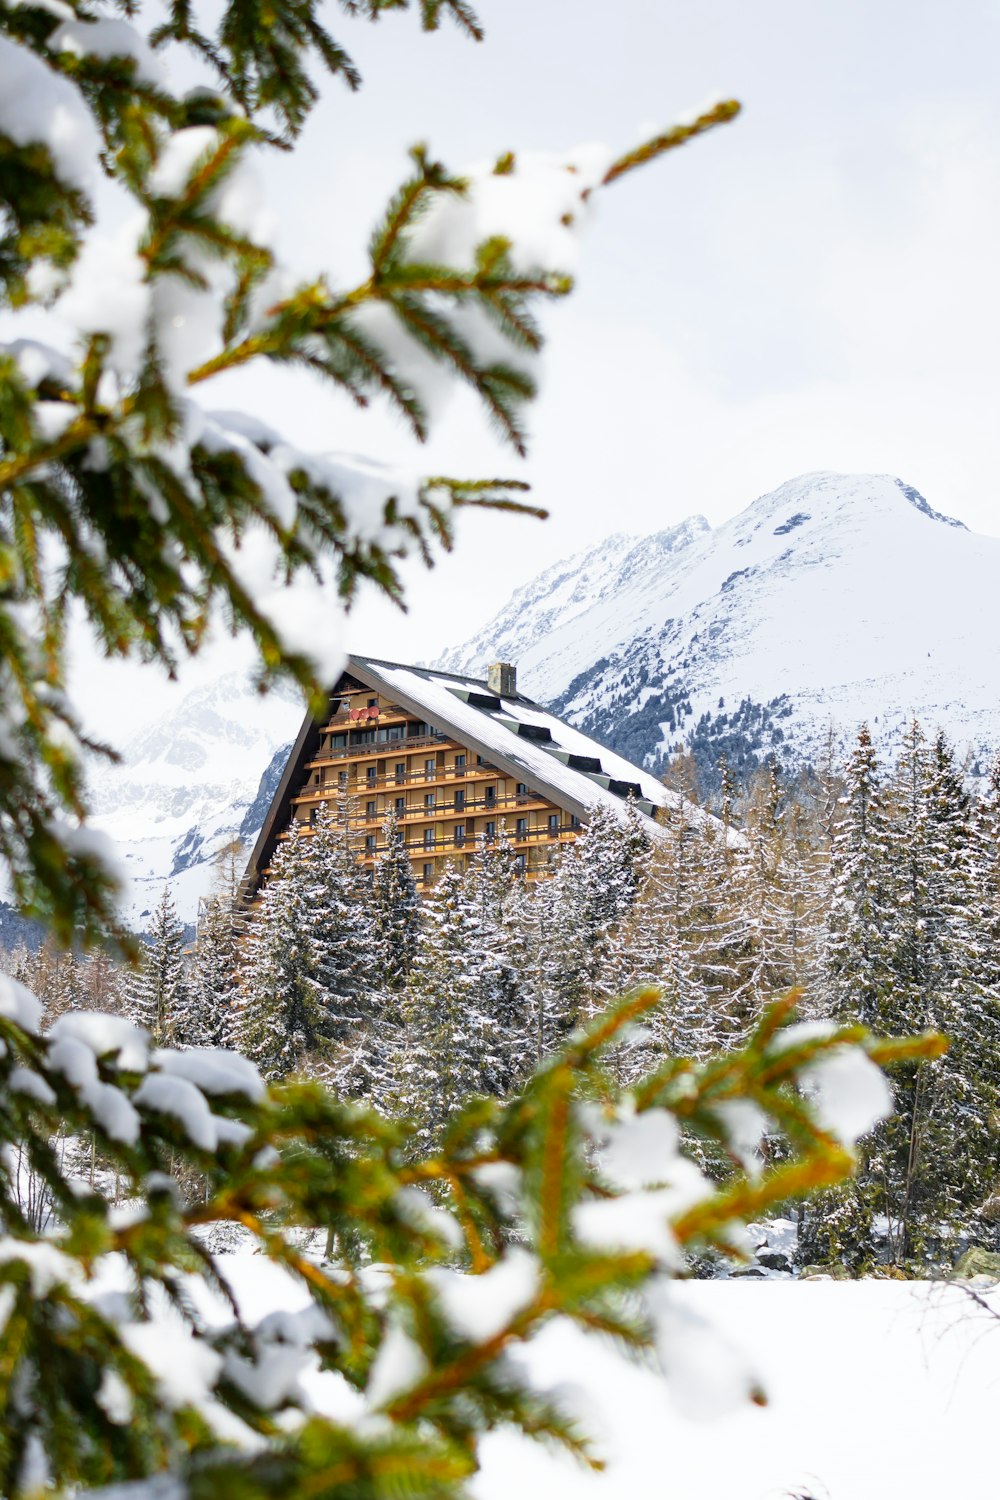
(401, 770)
(553, 823)
(342, 778)
(370, 843)
(400, 806)
(430, 838)
(491, 796)
(520, 864)
(459, 801)
(430, 765)
(522, 790)
(430, 798)
(574, 821)
(372, 775)
(338, 741)
(459, 835)
(522, 828)
(373, 703)
(371, 808)
(491, 830)
(480, 761)
(459, 762)
(428, 872)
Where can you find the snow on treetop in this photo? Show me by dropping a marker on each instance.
(38, 107)
(213, 1069)
(535, 200)
(19, 1004)
(105, 1034)
(110, 37)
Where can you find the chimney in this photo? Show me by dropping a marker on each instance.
(502, 678)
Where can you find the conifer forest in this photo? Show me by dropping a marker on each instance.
(871, 890)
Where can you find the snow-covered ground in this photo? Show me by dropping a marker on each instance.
(877, 1390)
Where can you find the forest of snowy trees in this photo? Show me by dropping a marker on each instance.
(873, 888)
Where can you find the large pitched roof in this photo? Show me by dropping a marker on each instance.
(510, 731)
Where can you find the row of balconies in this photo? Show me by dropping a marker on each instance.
(356, 784)
(374, 748)
(453, 808)
(469, 841)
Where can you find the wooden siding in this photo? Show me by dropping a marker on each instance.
(446, 796)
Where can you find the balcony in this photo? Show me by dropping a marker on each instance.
(374, 748)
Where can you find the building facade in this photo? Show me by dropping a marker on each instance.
(456, 760)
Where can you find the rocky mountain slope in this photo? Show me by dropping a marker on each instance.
(834, 599)
(199, 777)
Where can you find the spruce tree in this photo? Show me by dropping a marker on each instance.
(558, 964)
(448, 1048)
(337, 931)
(395, 907)
(158, 996)
(858, 970)
(310, 971)
(496, 893)
(215, 963)
(281, 1020)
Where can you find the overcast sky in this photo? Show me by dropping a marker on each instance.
(813, 287)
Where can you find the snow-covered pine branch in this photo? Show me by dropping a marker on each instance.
(126, 1354)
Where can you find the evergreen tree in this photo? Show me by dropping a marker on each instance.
(558, 964)
(496, 893)
(395, 908)
(310, 975)
(858, 964)
(448, 1048)
(940, 1147)
(281, 1019)
(159, 997)
(215, 973)
(338, 936)
(661, 941)
(604, 871)
(906, 946)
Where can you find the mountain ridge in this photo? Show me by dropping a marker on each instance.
(832, 599)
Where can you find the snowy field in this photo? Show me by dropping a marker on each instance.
(878, 1390)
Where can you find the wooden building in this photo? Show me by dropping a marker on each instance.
(454, 758)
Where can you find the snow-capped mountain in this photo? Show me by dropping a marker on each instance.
(199, 777)
(834, 599)
(567, 590)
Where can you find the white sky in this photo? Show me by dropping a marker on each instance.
(811, 287)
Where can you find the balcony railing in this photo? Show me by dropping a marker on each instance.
(380, 747)
(473, 840)
(473, 805)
